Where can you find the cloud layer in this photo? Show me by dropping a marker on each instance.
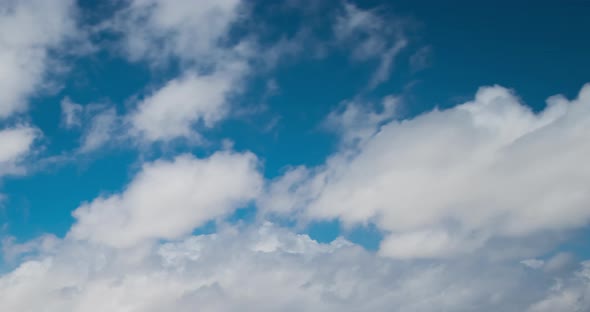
(270, 269)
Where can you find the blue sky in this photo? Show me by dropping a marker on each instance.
(437, 141)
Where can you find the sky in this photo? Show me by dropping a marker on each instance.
(297, 155)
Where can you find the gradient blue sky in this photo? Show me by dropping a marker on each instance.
(308, 64)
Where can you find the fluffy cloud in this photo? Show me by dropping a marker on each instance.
(168, 199)
(174, 109)
(191, 31)
(193, 34)
(214, 61)
(445, 182)
(132, 247)
(29, 31)
(16, 143)
(262, 269)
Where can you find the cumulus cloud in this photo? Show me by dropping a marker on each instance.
(191, 31)
(214, 64)
(214, 61)
(184, 102)
(193, 34)
(16, 143)
(168, 199)
(445, 182)
(29, 31)
(262, 269)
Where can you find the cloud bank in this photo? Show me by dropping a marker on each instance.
(269, 269)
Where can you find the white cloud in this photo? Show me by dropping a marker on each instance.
(100, 124)
(445, 182)
(13, 251)
(103, 129)
(262, 269)
(440, 185)
(188, 30)
(192, 34)
(71, 113)
(357, 122)
(373, 37)
(212, 67)
(29, 30)
(265, 268)
(16, 144)
(168, 199)
(183, 103)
